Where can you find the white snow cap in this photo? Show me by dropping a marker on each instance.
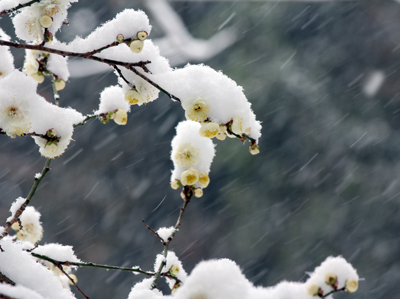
(19, 292)
(21, 267)
(27, 22)
(191, 151)
(165, 232)
(58, 252)
(128, 23)
(58, 65)
(225, 98)
(142, 290)
(173, 265)
(332, 266)
(215, 279)
(7, 60)
(15, 207)
(111, 99)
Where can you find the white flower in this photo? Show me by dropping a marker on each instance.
(132, 97)
(351, 285)
(209, 130)
(45, 21)
(204, 180)
(27, 24)
(196, 109)
(189, 177)
(15, 117)
(186, 155)
(32, 230)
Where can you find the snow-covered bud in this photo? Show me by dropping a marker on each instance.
(60, 84)
(198, 192)
(209, 130)
(351, 285)
(15, 226)
(121, 117)
(133, 97)
(247, 131)
(51, 133)
(254, 149)
(174, 270)
(120, 38)
(237, 125)
(142, 35)
(189, 177)
(330, 278)
(204, 180)
(51, 147)
(46, 21)
(175, 184)
(315, 290)
(197, 109)
(136, 46)
(39, 77)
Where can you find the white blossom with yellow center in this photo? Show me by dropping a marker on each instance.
(209, 130)
(189, 177)
(32, 230)
(121, 117)
(204, 180)
(196, 109)
(15, 118)
(133, 97)
(187, 155)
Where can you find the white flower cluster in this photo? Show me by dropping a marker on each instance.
(31, 230)
(192, 156)
(23, 111)
(216, 101)
(32, 22)
(38, 64)
(220, 279)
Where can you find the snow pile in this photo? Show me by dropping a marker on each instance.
(33, 21)
(142, 290)
(192, 156)
(165, 232)
(210, 96)
(22, 111)
(15, 207)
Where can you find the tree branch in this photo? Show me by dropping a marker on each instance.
(59, 266)
(18, 213)
(19, 6)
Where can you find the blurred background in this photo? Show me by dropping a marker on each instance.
(323, 78)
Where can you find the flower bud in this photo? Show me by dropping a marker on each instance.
(39, 77)
(254, 149)
(198, 192)
(121, 117)
(237, 125)
(51, 147)
(132, 97)
(15, 226)
(175, 184)
(46, 21)
(136, 46)
(221, 136)
(51, 133)
(120, 38)
(174, 270)
(60, 84)
(204, 180)
(351, 285)
(183, 195)
(74, 278)
(315, 290)
(330, 278)
(142, 35)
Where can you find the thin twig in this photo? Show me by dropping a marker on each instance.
(188, 195)
(5, 279)
(123, 77)
(88, 117)
(333, 291)
(72, 281)
(55, 91)
(171, 96)
(154, 232)
(19, 6)
(18, 213)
